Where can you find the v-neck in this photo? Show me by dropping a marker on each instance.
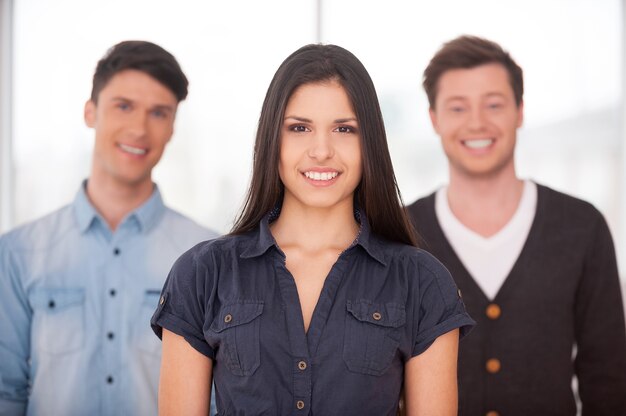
(510, 281)
(306, 342)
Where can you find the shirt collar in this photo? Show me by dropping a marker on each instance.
(264, 238)
(367, 240)
(146, 215)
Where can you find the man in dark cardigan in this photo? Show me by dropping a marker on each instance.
(536, 267)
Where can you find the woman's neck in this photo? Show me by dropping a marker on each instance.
(314, 228)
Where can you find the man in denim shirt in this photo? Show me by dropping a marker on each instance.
(78, 287)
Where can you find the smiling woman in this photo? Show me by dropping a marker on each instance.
(318, 299)
(320, 153)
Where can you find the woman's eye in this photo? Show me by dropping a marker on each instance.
(123, 106)
(299, 129)
(345, 129)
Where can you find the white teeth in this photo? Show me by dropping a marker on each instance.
(132, 150)
(321, 176)
(478, 144)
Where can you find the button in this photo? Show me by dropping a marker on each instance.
(228, 318)
(110, 335)
(51, 304)
(112, 292)
(300, 404)
(376, 316)
(493, 365)
(110, 380)
(162, 300)
(492, 413)
(493, 311)
(116, 251)
(302, 365)
(458, 292)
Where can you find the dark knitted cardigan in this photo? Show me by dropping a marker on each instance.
(563, 291)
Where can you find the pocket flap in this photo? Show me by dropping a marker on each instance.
(382, 314)
(56, 298)
(151, 298)
(235, 314)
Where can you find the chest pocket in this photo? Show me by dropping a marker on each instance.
(237, 326)
(145, 339)
(372, 335)
(58, 319)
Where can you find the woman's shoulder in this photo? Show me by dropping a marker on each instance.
(217, 249)
(411, 255)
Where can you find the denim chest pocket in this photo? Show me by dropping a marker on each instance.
(58, 319)
(144, 338)
(238, 325)
(372, 335)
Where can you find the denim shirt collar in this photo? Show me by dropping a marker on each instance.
(263, 240)
(145, 216)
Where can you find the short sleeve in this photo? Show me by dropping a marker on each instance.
(184, 302)
(441, 308)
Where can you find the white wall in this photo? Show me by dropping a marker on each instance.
(571, 52)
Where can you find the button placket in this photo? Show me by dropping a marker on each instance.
(113, 275)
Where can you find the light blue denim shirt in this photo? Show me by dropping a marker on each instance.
(75, 307)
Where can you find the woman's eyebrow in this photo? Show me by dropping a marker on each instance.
(301, 119)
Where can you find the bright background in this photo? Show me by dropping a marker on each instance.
(572, 53)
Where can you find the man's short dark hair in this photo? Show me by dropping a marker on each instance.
(142, 56)
(466, 52)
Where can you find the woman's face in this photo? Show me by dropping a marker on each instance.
(320, 151)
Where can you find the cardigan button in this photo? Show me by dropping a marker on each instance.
(493, 365)
(493, 311)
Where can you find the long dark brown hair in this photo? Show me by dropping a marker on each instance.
(377, 195)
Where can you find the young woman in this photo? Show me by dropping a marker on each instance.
(318, 302)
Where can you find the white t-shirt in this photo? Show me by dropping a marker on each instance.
(489, 260)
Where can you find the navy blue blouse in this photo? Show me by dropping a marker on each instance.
(382, 303)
